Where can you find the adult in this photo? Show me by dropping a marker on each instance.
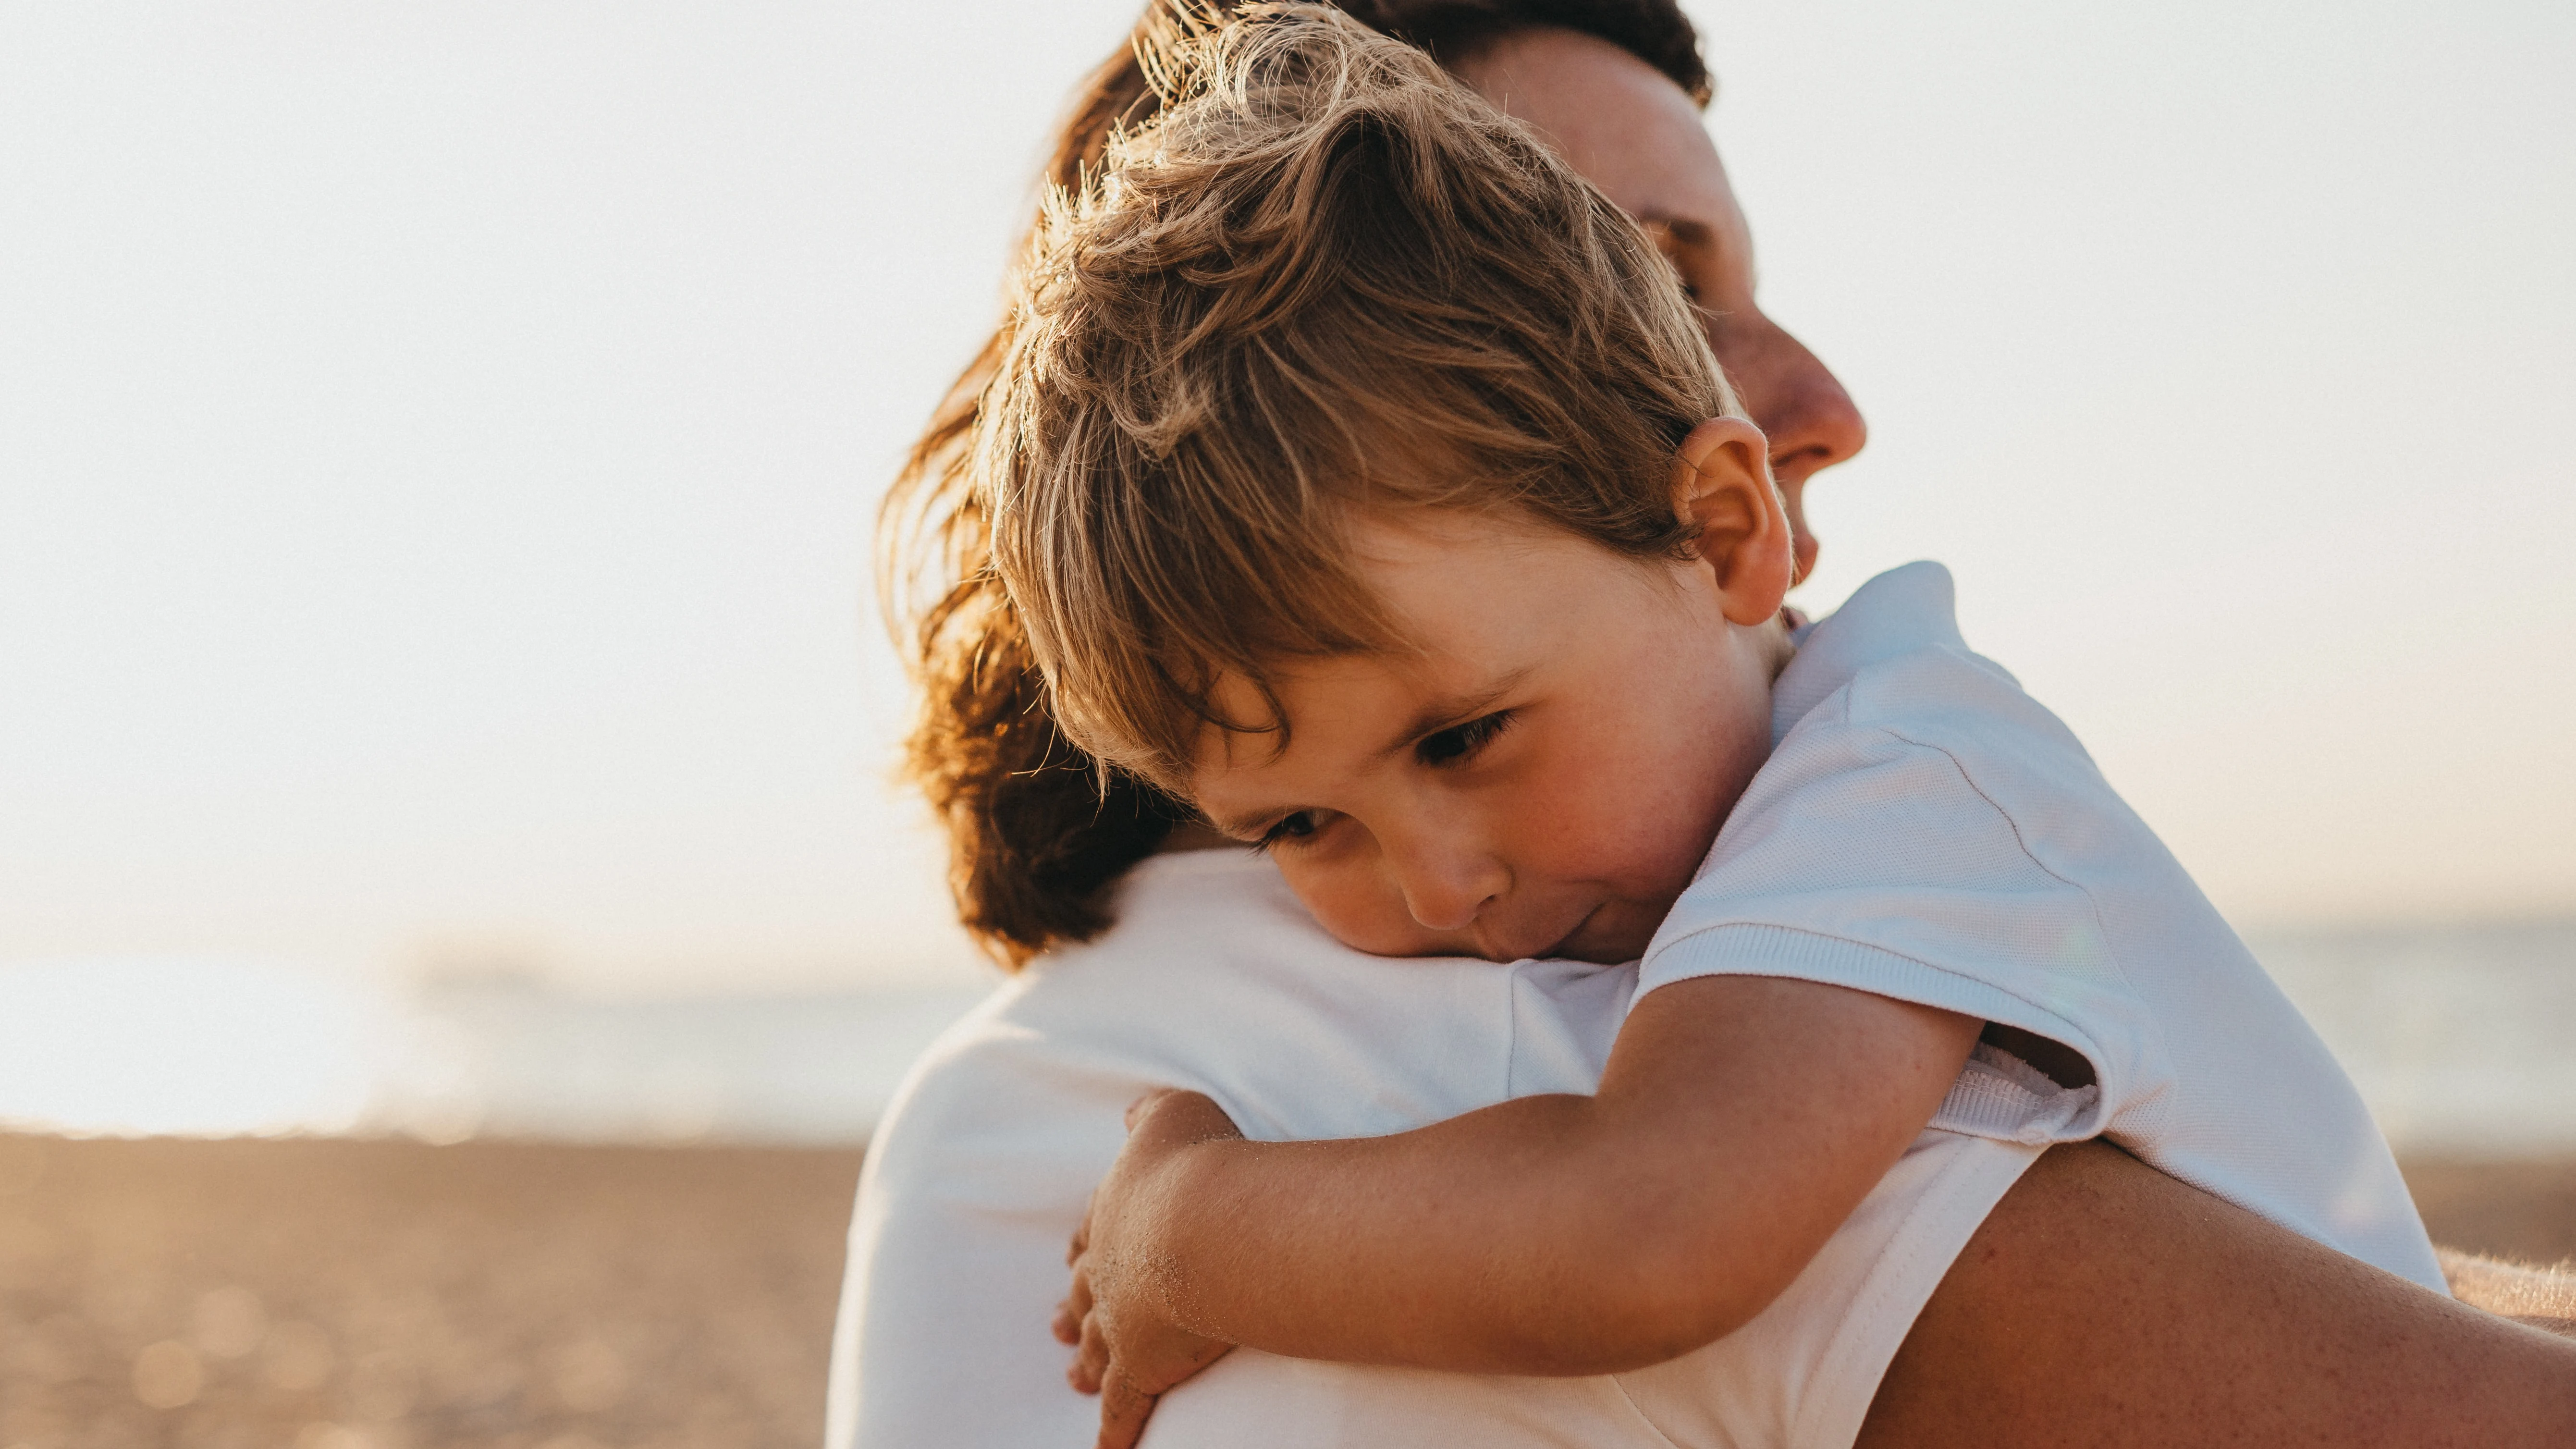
(1211, 976)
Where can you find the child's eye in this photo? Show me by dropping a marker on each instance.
(1292, 828)
(1457, 742)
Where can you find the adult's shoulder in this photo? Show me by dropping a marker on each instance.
(1197, 935)
(1043, 1059)
(1215, 978)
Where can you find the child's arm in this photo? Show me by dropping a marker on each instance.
(1740, 1120)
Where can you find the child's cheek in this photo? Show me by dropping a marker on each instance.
(1620, 825)
(1359, 906)
(1594, 812)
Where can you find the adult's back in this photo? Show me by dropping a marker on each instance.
(1216, 979)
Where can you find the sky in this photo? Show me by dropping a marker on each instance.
(438, 444)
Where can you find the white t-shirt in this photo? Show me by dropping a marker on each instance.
(1216, 978)
(1924, 830)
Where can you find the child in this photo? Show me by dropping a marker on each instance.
(1364, 479)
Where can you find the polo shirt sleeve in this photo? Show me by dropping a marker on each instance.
(1866, 856)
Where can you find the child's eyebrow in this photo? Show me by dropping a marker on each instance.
(1456, 709)
(1436, 714)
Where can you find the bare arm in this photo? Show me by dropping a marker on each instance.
(2104, 1303)
(1739, 1122)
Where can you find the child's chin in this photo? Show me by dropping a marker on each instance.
(1603, 938)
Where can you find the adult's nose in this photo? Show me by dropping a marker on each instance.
(1802, 408)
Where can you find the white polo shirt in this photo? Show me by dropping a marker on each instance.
(1216, 978)
(1924, 830)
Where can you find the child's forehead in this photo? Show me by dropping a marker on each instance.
(1428, 601)
(1456, 584)
(1387, 696)
(1474, 607)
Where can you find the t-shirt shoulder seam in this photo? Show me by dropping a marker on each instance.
(2092, 905)
(1968, 778)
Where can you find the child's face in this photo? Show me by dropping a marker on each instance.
(1539, 778)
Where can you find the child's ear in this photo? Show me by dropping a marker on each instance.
(1722, 490)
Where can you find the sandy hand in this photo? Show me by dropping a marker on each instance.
(1120, 1316)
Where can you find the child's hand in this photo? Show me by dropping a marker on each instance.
(1128, 1349)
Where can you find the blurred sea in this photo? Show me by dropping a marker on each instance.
(2462, 1039)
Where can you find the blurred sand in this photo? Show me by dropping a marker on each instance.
(2520, 1211)
(390, 1295)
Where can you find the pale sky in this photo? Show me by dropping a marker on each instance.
(438, 442)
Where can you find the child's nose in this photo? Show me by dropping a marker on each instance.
(1445, 892)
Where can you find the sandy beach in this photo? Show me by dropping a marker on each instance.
(325, 1294)
(317, 1294)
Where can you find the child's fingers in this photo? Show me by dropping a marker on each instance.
(1169, 1117)
(1081, 1242)
(1124, 1408)
(1074, 1309)
(1137, 1108)
(1091, 1358)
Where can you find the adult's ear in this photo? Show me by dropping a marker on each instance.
(1722, 490)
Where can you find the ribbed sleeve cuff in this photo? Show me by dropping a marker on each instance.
(2013, 1103)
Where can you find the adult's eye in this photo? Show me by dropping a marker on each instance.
(1676, 254)
(1445, 747)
